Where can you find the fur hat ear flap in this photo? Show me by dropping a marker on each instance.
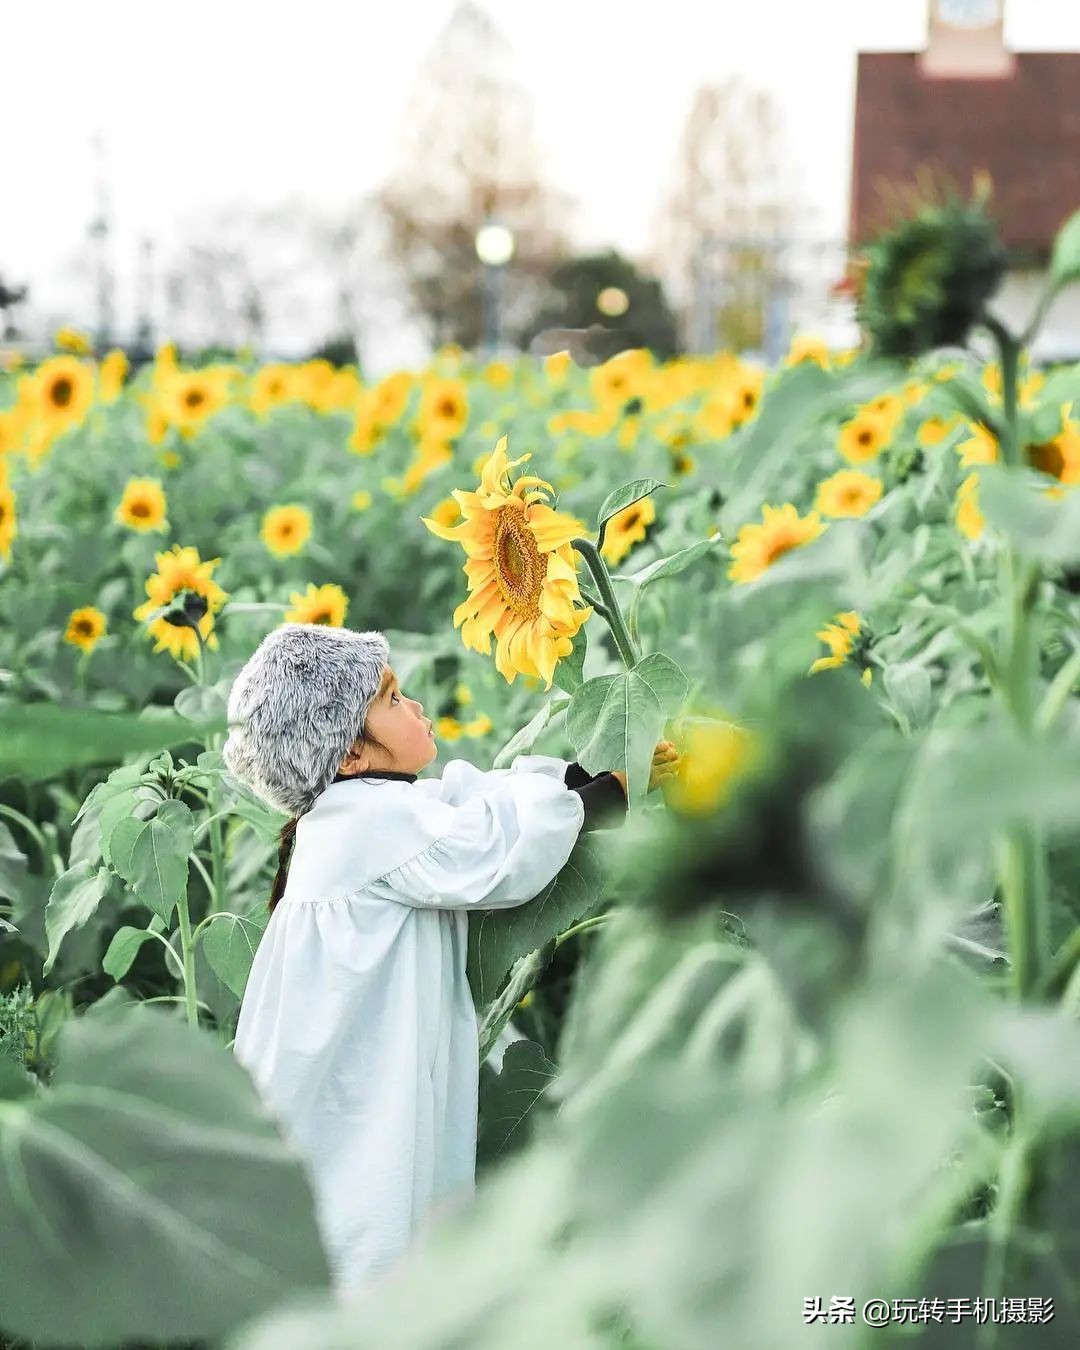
(297, 706)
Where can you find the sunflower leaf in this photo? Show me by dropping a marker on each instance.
(123, 949)
(673, 563)
(509, 1097)
(75, 896)
(230, 943)
(620, 499)
(154, 1130)
(522, 741)
(615, 721)
(1065, 259)
(1039, 526)
(498, 937)
(152, 856)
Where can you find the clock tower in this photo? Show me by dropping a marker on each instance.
(967, 41)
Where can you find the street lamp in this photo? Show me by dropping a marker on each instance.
(494, 248)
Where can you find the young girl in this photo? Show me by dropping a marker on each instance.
(357, 1024)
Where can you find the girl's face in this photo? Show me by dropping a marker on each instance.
(400, 726)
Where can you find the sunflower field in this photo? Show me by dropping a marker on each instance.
(799, 1039)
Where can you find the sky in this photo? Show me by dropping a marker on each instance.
(216, 101)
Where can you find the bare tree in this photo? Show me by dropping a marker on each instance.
(728, 207)
(467, 156)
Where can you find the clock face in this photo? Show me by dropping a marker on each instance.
(969, 13)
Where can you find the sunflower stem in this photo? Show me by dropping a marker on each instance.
(613, 615)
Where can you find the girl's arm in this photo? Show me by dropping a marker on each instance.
(503, 846)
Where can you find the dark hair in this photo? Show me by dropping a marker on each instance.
(288, 835)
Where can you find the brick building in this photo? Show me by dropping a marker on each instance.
(968, 105)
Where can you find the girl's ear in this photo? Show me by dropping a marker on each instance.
(357, 759)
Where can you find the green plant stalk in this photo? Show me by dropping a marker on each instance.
(624, 643)
(1023, 854)
(188, 947)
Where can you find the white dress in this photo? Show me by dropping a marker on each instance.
(357, 1024)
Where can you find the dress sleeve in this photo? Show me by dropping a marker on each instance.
(503, 845)
(460, 779)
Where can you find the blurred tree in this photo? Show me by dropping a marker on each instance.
(339, 351)
(729, 207)
(468, 156)
(583, 291)
(10, 296)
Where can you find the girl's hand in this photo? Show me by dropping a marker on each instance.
(665, 764)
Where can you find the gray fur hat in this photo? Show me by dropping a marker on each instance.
(297, 706)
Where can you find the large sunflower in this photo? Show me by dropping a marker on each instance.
(181, 569)
(521, 570)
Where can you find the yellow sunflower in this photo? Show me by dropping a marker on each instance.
(969, 519)
(318, 604)
(848, 493)
(839, 637)
(71, 340)
(190, 398)
(361, 500)
(556, 366)
(713, 755)
(62, 392)
(981, 447)
(286, 529)
(446, 512)
(480, 725)
(444, 409)
(111, 375)
(808, 347)
(621, 378)
(745, 396)
(271, 386)
(627, 528)
(1059, 457)
(933, 430)
(8, 526)
(142, 506)
(757, 547)
(391, 397)
(431, 454)
(864, 437)
(181, 569)
(11, 432)
(85, 628)
(521, 570)
(447, 729)
(498, 374)
(590, 422)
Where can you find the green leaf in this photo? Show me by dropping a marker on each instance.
(152, 856)
(42, 740)
(138, 803)
(120, 780)
(568, 672)
(15, 1082)
(13, 865)
(1065, 258)
(150, 1168)
(1041, 527)
(230, 943)
(498, 937)
(202, 704)
(123, 949)
(621, 498)
(908, 685)
(75, 896)
(508, 1100)
(615, 721)
(522, 741)
(674, 563)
